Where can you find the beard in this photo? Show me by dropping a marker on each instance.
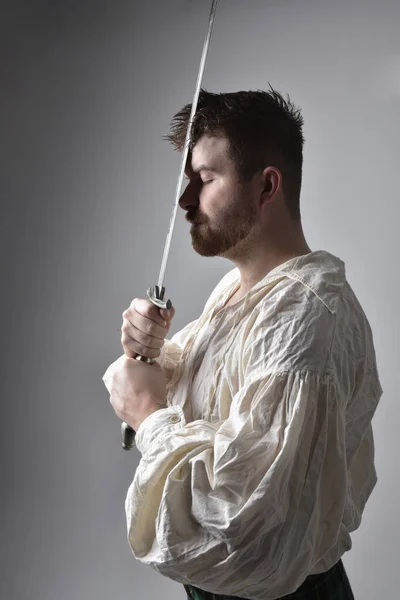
(229, 229)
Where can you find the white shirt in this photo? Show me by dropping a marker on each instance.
(257, 472)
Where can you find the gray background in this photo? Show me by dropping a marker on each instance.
(87, 90)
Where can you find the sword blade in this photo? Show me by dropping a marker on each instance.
(186, 146)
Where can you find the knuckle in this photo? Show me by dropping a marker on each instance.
(142, 350)
(156, 342)
(129, 344)
(126, 347)
(147, 340)
(126, 341)
(140, 305)
(154, 329)
(153, 311)
(128, 351)
(126, 317)
(149, 329)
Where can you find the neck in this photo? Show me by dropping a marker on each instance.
(267, 252)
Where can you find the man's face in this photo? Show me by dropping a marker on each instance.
(222, 210)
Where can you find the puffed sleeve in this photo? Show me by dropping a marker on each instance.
(172, 350)
(244, 506)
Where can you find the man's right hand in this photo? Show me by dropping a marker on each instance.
(144, 328)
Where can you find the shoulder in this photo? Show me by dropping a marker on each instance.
(293, 330)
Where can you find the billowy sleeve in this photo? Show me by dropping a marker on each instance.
(172, 350)
(243, 506)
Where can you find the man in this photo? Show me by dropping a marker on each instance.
(255, 422)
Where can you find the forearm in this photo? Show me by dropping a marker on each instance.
(225, 506)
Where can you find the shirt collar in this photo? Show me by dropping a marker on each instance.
(323, 273)
(319, 271)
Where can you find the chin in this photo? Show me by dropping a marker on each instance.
(210, 251)
(208, 245)
(203, 251)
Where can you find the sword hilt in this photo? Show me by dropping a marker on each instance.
(156, 296)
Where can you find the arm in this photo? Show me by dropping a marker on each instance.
(239, 507)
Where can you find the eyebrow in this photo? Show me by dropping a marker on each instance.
(202, 167)
(205, 168)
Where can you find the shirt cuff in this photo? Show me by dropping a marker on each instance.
(157, 425)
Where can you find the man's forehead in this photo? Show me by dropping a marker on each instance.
(209, 150)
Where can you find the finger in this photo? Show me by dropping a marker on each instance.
(145, 326)
(131, 349)
(147, 310)
(133, 334)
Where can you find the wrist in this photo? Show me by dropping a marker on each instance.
(149, 406)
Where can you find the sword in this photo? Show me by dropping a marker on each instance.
(156, 293)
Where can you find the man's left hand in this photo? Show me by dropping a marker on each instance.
(137, 390)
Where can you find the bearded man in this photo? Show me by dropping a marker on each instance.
(254, 423)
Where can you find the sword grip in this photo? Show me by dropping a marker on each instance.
(156, 296)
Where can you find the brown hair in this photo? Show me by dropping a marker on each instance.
(263, 129)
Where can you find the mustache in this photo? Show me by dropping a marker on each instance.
(193, 217)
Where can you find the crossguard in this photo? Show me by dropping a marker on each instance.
(157, 298)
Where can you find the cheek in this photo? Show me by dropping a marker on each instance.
(214, 195)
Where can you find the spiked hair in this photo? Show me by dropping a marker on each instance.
(263, 129)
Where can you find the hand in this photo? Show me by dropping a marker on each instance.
(137, 390)
(143, 329)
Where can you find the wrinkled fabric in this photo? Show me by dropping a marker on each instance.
(331, 585)
(259, 469)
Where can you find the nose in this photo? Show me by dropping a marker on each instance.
(190, 197)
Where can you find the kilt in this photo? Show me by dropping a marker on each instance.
(331, 585)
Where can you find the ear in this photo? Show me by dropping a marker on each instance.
(271, 184)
